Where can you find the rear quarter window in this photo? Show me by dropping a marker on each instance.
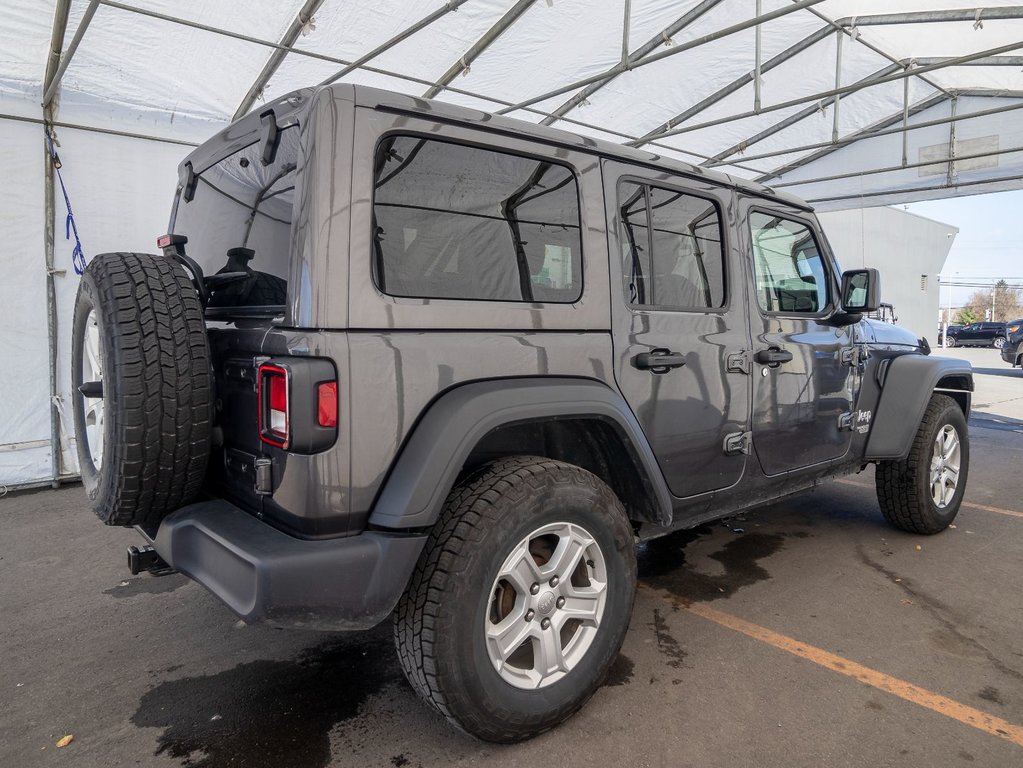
(453, 221)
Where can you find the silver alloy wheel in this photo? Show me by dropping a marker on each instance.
(945, 458)
(92, 371)
(546, 605)
(999, 342)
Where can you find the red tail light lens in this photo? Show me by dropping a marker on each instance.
(274, 414)
(326, 411)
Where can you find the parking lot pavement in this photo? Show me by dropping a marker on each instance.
(806, 633)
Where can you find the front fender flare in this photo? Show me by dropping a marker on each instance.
(909, 381)
(428, 465)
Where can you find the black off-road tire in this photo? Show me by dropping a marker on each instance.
(156, 388)
(903, 487)
(439, 621)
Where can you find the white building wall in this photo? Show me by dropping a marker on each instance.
(908, 249)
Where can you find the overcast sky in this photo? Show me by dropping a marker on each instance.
(990, 239)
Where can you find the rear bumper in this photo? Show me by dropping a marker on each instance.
(263, 574)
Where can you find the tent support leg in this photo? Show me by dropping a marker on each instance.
(952, 143)
(905, 122)
(50, 79)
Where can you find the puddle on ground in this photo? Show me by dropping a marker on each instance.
(268, 714)
(621, 671)
(668, 646)
(147, 585)
(662, 564)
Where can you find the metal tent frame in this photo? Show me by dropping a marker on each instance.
(716, 128)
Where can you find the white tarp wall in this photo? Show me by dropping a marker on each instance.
(789, 96)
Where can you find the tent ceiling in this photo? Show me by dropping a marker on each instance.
(813, 95)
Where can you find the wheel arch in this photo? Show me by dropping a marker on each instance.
(579, 421)
(908, 382)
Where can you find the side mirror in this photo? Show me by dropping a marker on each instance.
(861, 290)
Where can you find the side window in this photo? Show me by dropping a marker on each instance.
(673, 256)
(790, 273)
(459, 222)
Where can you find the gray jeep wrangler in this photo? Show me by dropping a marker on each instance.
(404, 359)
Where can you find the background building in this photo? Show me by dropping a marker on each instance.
(910, 251)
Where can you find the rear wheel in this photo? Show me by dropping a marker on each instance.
(141, 383)
(922, 493)
(950, 342)
(521, 599)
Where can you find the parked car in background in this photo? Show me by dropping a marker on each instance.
(978, 335)
(1012, 349)
(952, 329)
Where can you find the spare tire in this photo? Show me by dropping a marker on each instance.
(141, 383)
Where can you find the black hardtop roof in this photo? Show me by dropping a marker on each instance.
(289, 108)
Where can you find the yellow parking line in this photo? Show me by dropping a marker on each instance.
(935, 702)
(970, 504)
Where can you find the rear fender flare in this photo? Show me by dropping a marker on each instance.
(428, 465)
(907, 385)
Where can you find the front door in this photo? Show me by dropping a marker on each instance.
(803, 370)
(679, 313)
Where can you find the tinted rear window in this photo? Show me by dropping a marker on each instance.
(239, 220)
(459, 222)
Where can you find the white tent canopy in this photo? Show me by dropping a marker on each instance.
(844, 103)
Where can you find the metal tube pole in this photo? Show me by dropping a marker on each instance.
(448, 7)
(55, 65)
(869, 135)
(952, 143)
(50, 87)
(649, 46)
(625, 31)
(951, 62)
(756, 66)
(891, 168)
(838, 84)
(686, 46)
(907, 190)
(905, 121)
(303, 17)
(488, 38)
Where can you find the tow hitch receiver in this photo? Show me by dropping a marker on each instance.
(145, 558)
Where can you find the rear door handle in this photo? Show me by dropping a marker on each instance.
(773, 356)
(658, 360)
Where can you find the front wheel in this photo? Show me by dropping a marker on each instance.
(950, 342)
(922, 493)
(999, 342)
(521, 599)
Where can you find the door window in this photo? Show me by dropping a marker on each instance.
(790, 273)
(672, 249)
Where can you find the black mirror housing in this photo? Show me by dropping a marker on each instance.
(861, 290)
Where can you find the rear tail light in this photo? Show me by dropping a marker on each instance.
(298, 404)
(274, 411)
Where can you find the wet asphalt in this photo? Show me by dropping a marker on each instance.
(156, 672)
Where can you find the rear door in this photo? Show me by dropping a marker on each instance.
(803, 373)
(678, 310)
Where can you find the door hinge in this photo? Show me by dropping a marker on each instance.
(845, 422)
(738, 362)
(738, 443)
(264, 484)
(854, 356)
